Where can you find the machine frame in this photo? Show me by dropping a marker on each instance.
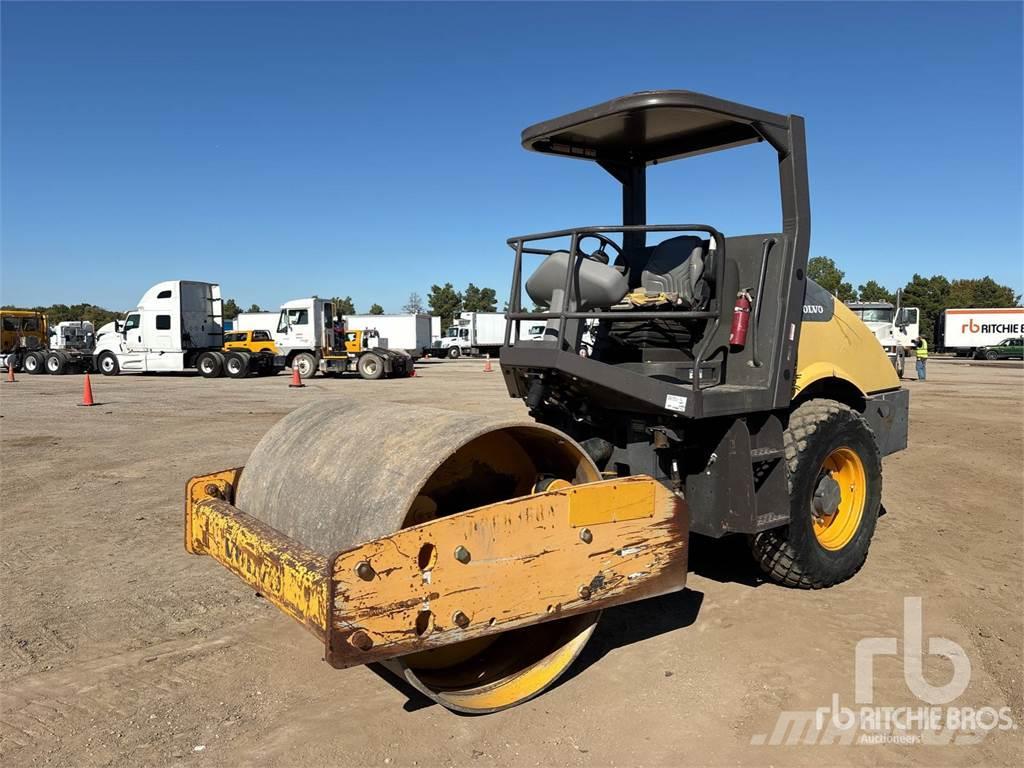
(713, 428)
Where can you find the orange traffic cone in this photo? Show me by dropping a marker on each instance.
(296, 379)
(487, 364)
(87, 391)
(412, 372)
(10, 373)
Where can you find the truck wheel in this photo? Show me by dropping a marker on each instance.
(56, 364)
(454, 352)
(306, 364)
(209, 365)
(990, 355)
(108, 365)
(236, 365)
(835, 489)
(370, 366)
(901, 363)
(33, 363)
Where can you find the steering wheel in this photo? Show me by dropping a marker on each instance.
(600, 255)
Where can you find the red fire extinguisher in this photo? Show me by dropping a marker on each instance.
(740, 320)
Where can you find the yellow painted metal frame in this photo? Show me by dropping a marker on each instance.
(292, 577)
(470, 575)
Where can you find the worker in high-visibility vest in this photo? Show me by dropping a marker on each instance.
(922, 357)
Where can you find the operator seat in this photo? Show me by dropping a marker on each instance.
(677, 266)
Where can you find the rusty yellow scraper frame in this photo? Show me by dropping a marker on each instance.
(472, 574)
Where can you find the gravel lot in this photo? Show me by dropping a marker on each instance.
(118, 648)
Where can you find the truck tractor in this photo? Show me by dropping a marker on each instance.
(71, 347)
(177, 326)
(23, 336)
(725, 395)
(895, 327)
(309, 342)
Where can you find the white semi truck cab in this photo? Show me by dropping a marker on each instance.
(311, 339)
(175, 322)
(894, 326)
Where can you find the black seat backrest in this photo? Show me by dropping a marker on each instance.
(631, 263)
(677, 266)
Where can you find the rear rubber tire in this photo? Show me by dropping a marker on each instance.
(33, 363)
(370, 366)
(236, 365)
(793, 555)
(209, 365)
(107, 364)
(56, 364)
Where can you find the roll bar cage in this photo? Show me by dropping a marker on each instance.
(626, 135)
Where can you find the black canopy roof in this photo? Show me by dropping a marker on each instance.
(655, 126)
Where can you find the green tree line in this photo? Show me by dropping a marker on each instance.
(59, 313)
(443, 301)
(931, 295)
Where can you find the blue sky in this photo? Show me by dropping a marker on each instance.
(371, 150)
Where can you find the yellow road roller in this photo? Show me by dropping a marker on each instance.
(687, 381)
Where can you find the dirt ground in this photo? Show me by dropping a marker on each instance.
(118, 648)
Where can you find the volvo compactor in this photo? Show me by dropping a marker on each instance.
(725, 394)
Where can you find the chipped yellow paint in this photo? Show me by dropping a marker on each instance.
(505, 566)
(291, 576)
(528, 562)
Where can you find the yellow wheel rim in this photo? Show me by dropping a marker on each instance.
(835, 528)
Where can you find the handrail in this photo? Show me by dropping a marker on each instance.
(766, 248)
(515, 315)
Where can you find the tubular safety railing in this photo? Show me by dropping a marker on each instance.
(515, 314)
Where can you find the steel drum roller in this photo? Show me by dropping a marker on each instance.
(337, 474)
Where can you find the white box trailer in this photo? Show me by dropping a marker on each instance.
(435, 330)
(257, 321)
(409, 333)
(964, 330)
(473, 333)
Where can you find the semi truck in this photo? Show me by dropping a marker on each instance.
(311, 340)
(472, 333)
(409, 333)
(965, 331)
(71, 350)
(22, 333)
(177, 326)
(896, 327)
